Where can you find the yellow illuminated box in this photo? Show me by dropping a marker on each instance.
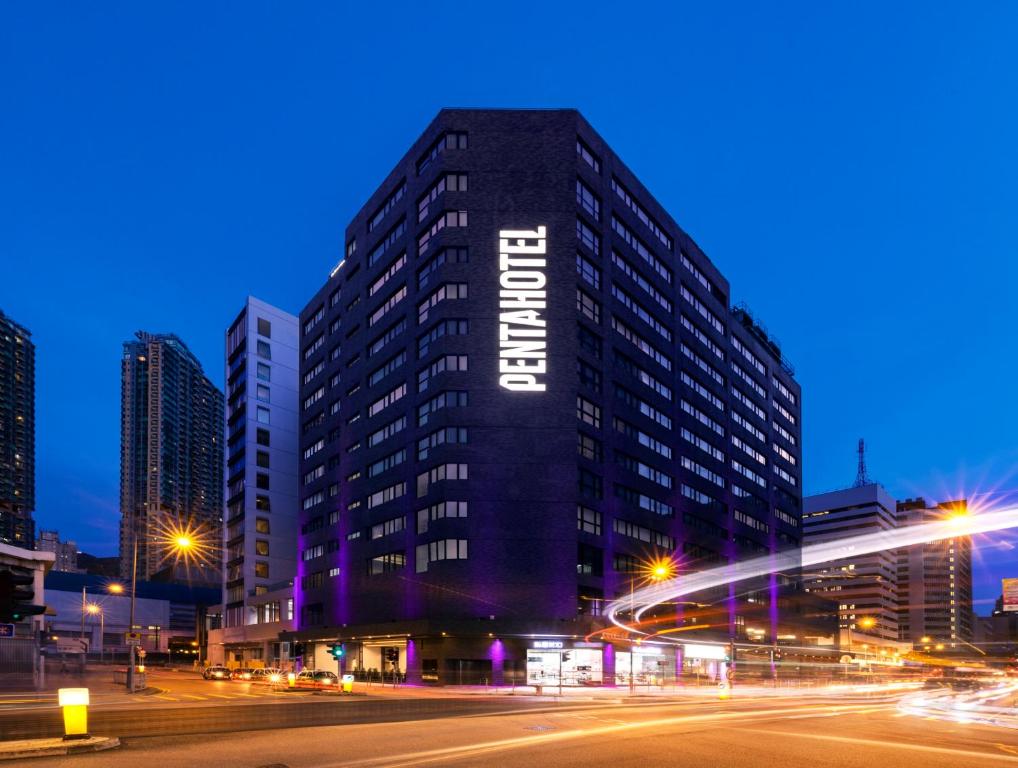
(74, 702)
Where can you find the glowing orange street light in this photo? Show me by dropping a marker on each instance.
(867, 622)
(661, 569)
(115, 588)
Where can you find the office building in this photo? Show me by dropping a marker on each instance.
(260, 534)
(934, 580)
(864, 587)
(65, 552)
(522, 383)
(17, 434)
(171, 457)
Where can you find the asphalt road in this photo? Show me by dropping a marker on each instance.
(807, 732)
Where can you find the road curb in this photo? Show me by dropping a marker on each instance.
(19, 750)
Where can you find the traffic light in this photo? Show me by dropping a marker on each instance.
(16, 595)
(338, 650)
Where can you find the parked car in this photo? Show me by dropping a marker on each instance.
(319, 679)
(216, 673)
(241, 673)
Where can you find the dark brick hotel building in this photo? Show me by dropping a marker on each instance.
(522, 383)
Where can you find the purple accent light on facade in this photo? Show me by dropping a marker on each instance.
(608, 665)
(497, 655)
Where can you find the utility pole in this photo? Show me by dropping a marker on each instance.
(134, 589)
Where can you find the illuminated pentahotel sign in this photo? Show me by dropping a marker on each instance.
(522, 301)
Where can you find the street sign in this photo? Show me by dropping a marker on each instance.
(132, 638)
(6, 630)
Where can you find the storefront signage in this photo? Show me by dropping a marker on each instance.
(1010, 592)
(718, 652)
(545, 644)
(522, 304)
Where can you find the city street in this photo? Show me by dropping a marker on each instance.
(800, 731)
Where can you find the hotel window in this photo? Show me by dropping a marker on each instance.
(448, 219)
(384, 278)
(590, 485)
(395, 298)
(261, 525)
(264, 372)
(442, 364)
(586, 270)
(589, 447)
(262, 504)
(387, 563)
(588, 237)
(589, 342)
(443, 549)
(451, 255)
(587, 200)
(641, 249)
(588, 412)
(264, 328)
(641, 213)
(382, 248)
(443, 436)
(588, 520)
(264, 350)
(388, 527)
(451, 182)
(449, 140)
(449, 291)
(262, 459)
(262, 481)
(588, 307)
(586, 154)
(261, 547)
(590, 377)
(441, 472)
(439, 511)
(633, 274)
(444, 328)
(385, 495)
(382, 465)
(261, 570)
(390, 202)
(262, 415)
(262, 393)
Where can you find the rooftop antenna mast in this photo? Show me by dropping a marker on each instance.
(861, 477)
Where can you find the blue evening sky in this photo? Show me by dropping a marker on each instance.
(851, 170)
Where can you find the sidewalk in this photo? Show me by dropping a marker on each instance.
(19, 750)
(98, 679)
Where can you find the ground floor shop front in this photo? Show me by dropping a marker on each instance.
(507, 659)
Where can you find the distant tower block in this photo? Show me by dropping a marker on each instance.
(861, 477)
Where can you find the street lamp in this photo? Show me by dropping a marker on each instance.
(658, 569)
(182, 541)
(94, 609)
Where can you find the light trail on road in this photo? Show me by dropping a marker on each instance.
(813, 554)
(965, 706)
